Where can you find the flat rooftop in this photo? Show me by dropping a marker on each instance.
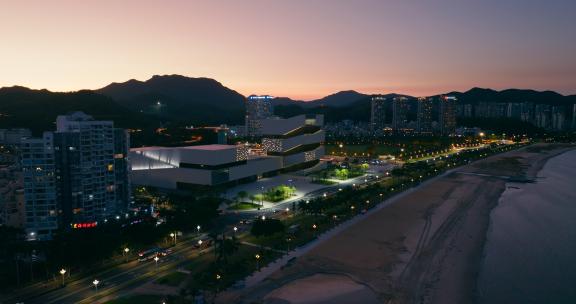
(210, 147)
(202, 147)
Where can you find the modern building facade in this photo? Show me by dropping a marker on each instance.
(378, 113)
(86, 171)
(298, 140)
(287, 143)
(424, 116)
(258, 108)
(447, 113)
(207, 165)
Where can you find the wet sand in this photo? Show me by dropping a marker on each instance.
(426, 247)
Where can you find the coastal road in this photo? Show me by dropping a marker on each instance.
(121, 278)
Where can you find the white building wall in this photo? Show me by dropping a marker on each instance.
(256, 167)
(303, 157)
(168, 178)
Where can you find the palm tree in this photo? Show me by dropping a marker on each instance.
(225, 248)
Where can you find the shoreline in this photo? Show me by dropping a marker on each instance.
(531, 172)
(426, 247)
(530, 163)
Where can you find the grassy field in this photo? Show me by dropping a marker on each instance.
(244, 206)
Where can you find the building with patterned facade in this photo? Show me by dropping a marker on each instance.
(286, 143)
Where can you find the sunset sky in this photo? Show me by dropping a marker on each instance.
(297, 48)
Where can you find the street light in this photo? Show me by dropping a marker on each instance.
(96, 282)
(198, 229)
(173, 235)
(257, 256)
(199, 242)
(62, 272)
(125, 253)
(156, 258)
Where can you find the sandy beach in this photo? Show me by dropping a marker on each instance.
(426, 247)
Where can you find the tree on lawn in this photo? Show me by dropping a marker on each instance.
(241, 196)
(267, 227)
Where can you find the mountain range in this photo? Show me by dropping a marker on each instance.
(203, 101)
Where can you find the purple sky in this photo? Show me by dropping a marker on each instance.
(297, 48)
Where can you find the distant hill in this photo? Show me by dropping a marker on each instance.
(203, 101)
(336, 107)
(37, 109)
(339, 99)
(477, 95)
(180, 98)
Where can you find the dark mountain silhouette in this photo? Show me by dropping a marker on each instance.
(477, 95)
(339, 99)
(37, 109)
(180, 98)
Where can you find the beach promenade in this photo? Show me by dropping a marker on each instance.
(424, 246)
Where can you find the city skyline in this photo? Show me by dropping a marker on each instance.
(308, 51)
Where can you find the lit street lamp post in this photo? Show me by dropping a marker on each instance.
(156, 258)
(257, 256)
(173, 236)
(63, 272)
(125, 253)
(96, 282)
(198, 229)
(314, 228)
(262, 197)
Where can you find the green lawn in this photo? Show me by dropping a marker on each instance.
(324, 182)
(244, 206)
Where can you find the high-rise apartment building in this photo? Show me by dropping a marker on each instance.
(424, 116)
(258, 107)
(378, 113)
(514, 110)
(399, 114)
(39, 174)
(90, 166)
(543, 116)
(447, 115)
(558, 121)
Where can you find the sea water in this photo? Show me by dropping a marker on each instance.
(530, 253)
